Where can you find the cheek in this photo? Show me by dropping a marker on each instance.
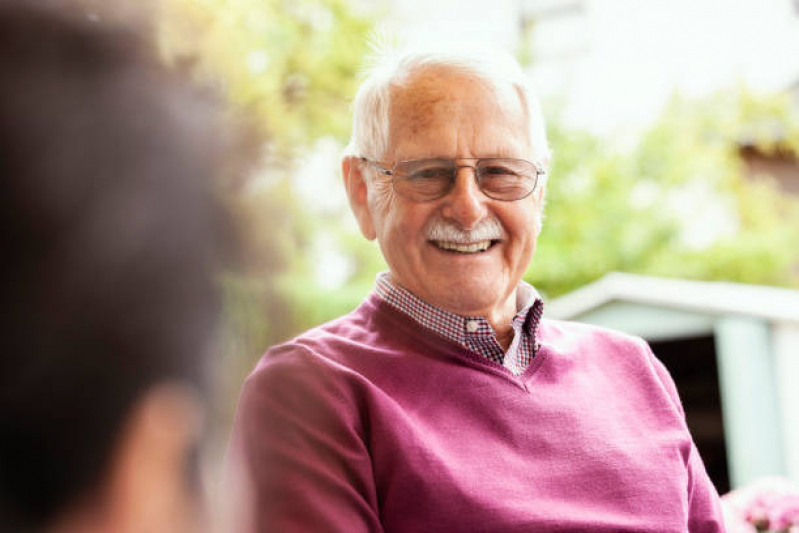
(394, 237)
(405, 225)
(523, 227)
(380, 202)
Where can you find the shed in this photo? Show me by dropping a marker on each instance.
(733, 350)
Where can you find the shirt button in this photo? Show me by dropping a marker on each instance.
(472, 326)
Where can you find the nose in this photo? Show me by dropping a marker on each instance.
(465, 203)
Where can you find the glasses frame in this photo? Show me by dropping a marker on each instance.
(539, 171)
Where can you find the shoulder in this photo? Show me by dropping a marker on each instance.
(613, 353)
(319, 350)
(576, 335)
(301, 394)
(330, 356)
(293, 385)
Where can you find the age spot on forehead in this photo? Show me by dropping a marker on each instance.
(433, 101)
(419, 104)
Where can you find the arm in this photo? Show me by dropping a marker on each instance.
(298, 435)
(704, 508)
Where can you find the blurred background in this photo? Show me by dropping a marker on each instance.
(675, 131)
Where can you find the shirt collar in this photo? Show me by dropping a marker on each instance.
(456, 327)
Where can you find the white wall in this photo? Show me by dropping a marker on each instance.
(786, 358)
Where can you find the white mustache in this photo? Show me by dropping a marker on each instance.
(442, 230)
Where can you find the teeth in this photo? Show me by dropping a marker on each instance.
(464, 248)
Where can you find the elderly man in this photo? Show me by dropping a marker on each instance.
(445, 402)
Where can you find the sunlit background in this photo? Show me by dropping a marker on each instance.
(675, 131)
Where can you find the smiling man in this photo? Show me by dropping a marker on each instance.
(445, 402)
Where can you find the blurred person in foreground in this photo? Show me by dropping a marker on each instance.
(445, 401)
(111, 235)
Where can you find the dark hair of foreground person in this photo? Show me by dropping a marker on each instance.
(111, 237)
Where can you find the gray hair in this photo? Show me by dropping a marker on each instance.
(393, 67)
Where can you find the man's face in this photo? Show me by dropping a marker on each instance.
(441, 114)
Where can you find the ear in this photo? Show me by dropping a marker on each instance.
(358, 193)
(149, 484)
(547, 161)
(542, 187)
(541, 190)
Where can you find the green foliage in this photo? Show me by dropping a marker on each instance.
(291, 65)
(589, 228)
(288, 69)
(639, 210)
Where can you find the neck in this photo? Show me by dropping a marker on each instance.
(498, 316)
(504, 338)
(500, 320)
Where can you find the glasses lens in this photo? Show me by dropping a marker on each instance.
(506, 179)
(424, 179)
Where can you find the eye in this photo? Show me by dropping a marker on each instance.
(497, 171)
(424, 179)
(506, 179)
(430, 173)
(425, 169)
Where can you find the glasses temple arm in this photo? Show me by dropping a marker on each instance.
(379, 167)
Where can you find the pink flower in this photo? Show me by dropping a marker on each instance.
(784, 512)
(767, 504)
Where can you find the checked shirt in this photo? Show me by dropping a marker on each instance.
(473, 332)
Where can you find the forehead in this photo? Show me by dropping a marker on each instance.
(438, 112)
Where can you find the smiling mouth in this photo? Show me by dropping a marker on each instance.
(465, 248)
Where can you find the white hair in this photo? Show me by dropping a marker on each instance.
(393, 67)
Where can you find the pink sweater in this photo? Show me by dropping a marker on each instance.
(370, 423)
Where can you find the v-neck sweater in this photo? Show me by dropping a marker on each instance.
(372, 423)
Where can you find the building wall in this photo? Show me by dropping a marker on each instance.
(786, 357)
(782, 167)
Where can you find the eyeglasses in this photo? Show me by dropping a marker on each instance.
(424, 180)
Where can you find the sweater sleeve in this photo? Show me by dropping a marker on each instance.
(704, 507)
(299, 437)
